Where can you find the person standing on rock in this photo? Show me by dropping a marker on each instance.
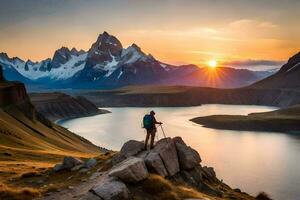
(149, 123)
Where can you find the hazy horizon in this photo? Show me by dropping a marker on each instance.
(252, 34)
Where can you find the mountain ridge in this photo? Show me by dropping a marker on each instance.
(107, 64)
(286, 78)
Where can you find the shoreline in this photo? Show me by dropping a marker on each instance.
(284, 120)
(100, 112)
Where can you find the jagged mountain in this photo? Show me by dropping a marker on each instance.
(287, 77)
(108, 65)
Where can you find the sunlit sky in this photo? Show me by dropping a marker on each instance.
(232, 32)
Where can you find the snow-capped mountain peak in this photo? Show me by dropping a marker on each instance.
(132, 54)
(106, 63)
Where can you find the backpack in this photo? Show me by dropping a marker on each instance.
(147, 122)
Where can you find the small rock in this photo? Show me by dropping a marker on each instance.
(131, 170)
(110, 189)
(78, 167)
(58, 167)
(95, 175)
(71, 187)
(40, 181)
(83, 170)
(7, 154)
(237, 190)
(90, 163)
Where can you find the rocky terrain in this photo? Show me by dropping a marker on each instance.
(171, 170)
(107, 64)
(282, 120)
(56, 106)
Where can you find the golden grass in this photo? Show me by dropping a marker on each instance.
(165, 189)
(10, 193)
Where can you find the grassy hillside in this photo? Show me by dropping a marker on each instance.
(282, 120)
(29, 142)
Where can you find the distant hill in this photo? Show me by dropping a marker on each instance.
(56, 106)
(107, 64)
(288, 77)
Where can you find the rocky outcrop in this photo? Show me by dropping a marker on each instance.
(55, 106)
(170, 158)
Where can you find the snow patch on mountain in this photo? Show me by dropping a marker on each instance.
(111, 66)
(296, 65)
(34, 71)
(67, 70)
(131, 55)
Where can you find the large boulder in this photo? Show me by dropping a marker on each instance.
(130, 148)
(131, 170)
(155, 164)
(167, 151)
(188, 157)
(110, 189)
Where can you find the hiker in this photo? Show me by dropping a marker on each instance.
(149, 122)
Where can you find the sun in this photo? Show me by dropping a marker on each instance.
(212, 63)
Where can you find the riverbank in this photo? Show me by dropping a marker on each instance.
(285, 120)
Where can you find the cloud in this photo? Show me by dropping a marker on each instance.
(250, 23)
(257, 64)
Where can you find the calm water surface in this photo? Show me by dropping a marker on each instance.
(252, 161)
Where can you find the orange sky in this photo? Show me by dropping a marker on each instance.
(173, 31)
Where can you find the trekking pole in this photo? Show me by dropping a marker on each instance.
(162, 130)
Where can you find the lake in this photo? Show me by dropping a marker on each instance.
(251, 161)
